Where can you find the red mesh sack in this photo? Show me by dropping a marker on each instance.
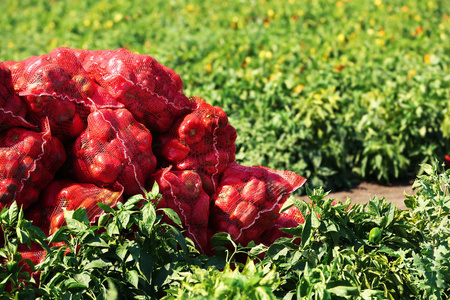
(201, 140)
(182, 191)
(114, 148)
(34, 254)
(246, 202)
(290, 218)
(56, 86)
(28, 163)
(12, 108)
(62, 195)
(149, 90)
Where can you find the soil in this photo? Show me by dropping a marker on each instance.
(365, 191)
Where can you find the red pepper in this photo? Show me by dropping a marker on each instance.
(115, 147)
(8, 188)
(189, 163)
(200, 211)
(191, 129)
(31, 143)
(76, 126)
(191, 183)
(142, 136)
(84, 84)
(56, 222)
(105, 168)
(9, 162)
(227, 199)
(175, 151)
(245, 213)
(63, 111)
(132, 179)
(99, 128)
(254, 192)
(227, 136)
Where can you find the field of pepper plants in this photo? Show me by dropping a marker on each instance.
(142, 149)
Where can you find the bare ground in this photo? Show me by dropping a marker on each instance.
(365, 191)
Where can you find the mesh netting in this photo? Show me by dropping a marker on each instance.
(62, 195)
(247, 200)
(12, 108)
(28, 162)
(201, 140)
(182, 191)
(56, 86)
(151, 91)
(290, 218)
(114, 148)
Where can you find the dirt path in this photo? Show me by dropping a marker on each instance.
(365, 191)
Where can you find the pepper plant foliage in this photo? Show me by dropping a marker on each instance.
(342, 251)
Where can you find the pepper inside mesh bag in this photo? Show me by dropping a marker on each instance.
(12, 109)
(290, 218)
(114, 148)
(247, 200)
(28, 163)
(151, 91)
(202, 140)
(182, 191)
(56, 86)
(62, 195)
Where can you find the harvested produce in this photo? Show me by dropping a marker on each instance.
(82, 127)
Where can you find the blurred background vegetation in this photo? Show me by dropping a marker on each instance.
(337, 91)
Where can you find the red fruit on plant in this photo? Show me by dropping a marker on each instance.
(191, 129)
(244, 213)
(175, 151)
(254, 192)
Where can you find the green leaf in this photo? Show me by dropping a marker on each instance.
(172, 216)
(13, 211)
(155, 191)
(124, 218)
(132, 277)
(133, 201)
(83, 278)
(428, 169)
(306, 231)
(22, 235)
(221, 239)
(105, 207)
(98, 263)
(148, 216)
